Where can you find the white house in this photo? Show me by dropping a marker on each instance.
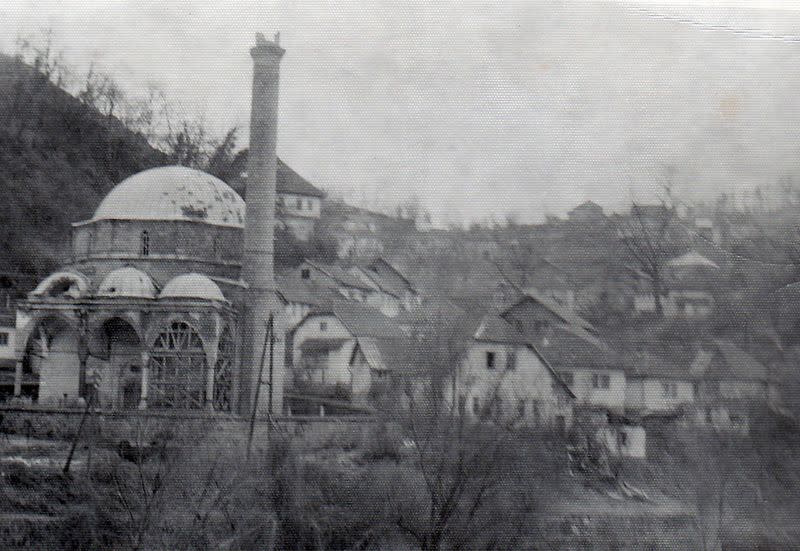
(657, 387)
(332, 351)
(503, 376)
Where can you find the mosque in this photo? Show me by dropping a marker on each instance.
(165, 301)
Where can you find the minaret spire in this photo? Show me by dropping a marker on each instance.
(257, 267)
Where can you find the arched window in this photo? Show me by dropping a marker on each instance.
(177, 369)
(144, 247)
(223, 373)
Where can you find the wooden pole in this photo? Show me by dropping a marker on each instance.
(77, 437)
(271, 332)
(258, 392)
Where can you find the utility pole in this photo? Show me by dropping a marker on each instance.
(271, 333)
(268, 339)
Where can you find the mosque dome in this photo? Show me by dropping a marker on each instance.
(173, 193)
(192, 285)
(127, 282)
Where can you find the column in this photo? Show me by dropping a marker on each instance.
(145, 380)
(18, 379)
(211, 362)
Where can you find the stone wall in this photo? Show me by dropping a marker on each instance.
(174, 247)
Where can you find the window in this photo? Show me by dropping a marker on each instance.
(601, 381)
(622, 439)
(3, 338)
(177, 369)
(305, 273)
(669, 390)
(490, 360)
(279, 201)
(323, 326)
(144, 246)
(462, 404)
(476, 405)
(310, 205)
(521, 408)
(299, 204)
(568, 378)
(511, 360)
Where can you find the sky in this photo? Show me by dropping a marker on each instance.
(478, 108)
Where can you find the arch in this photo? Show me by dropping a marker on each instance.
(63, 285)
(223, 372)
(177, 368)
(117, 369)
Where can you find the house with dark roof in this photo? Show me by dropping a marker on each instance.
(388, 280)
(298, 203)
(730, 383)
(340, 349)
(657, 385)
(502, 375)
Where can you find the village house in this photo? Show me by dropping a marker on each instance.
(730, 384)
(360, 233)
(592, 371)
(341, 350)
(396, 290)
(656, 386)
(688, 281)
(503, 377)
(298, 203)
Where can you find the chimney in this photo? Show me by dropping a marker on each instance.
(257, 265)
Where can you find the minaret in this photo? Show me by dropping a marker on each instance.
(257, 265)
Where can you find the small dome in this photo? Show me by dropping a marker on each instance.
(192, 286)
(173, 193)
(63, 285)
(127, 282)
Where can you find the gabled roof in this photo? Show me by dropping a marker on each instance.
(566, 350)
(294, 289)
(691, 259)
(361, 321)
(564, 314)
(492, 328)
(732, 362)
(387, 277)
(397, 355)
(287, 180)
(340, 275)
(647, 365)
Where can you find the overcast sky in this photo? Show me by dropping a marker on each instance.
(479, 108)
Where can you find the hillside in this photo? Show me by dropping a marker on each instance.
(58, 158)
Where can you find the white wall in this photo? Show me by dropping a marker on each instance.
(531, 384)
(59, 370)
(337, 368)
(7, 350)
(612, 397)
(309, 206)
(655, 399)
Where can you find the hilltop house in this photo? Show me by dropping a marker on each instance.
(298, 203)
(688, 281)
